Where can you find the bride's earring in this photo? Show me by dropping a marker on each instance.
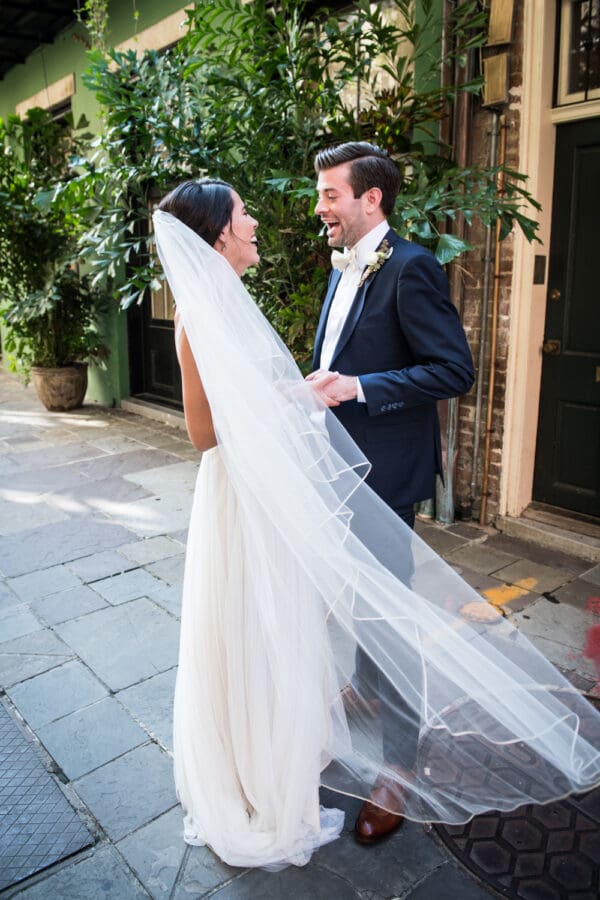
(223, 246)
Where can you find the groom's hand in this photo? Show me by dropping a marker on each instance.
(343, 388)
(332, 387)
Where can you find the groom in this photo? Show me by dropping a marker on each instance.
(389, 345)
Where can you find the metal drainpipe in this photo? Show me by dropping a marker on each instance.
(495, 298)
(487, 265)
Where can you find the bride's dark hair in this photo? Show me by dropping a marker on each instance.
(205, 206)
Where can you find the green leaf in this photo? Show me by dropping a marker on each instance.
(449, 247)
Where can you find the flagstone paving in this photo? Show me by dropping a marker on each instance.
(94, 507)
(137, 640)
(56, 693)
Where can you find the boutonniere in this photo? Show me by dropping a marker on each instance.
(375, 260)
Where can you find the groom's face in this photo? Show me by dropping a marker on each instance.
(345, 216)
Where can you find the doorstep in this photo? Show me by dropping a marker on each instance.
(155, 411)
(556, 530)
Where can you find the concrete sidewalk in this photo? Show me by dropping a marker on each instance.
(93, 515)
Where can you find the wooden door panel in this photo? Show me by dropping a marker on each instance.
(582, 322)
(164, 377)
(567, 468)
(576, 459)
(154, 369)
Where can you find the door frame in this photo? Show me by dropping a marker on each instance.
(537, 139)
(528, 300)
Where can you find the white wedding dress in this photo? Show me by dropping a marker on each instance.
(252, 719)
(292, 562)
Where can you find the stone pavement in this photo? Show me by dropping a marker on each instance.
(93, 514)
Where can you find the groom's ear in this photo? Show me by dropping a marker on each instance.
(372, 199)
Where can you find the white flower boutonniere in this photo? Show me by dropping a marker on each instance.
(375, 260)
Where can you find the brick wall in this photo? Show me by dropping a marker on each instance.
(468, 502)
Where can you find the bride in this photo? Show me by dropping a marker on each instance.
(292, 561)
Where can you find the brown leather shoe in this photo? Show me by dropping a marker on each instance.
(354, 703)
(383, 812)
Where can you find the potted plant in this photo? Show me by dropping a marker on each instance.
(50, 310)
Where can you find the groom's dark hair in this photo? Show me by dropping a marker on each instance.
(371, 166)
(205, 206)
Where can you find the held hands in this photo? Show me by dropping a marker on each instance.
(332, 387)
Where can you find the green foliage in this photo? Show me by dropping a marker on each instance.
(249, 95)
(51, 311)
(151, 140)
(94, 15)
(56, 325)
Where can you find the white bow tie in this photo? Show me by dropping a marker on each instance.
(341, 261)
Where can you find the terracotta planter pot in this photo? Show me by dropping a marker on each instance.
(61, 389)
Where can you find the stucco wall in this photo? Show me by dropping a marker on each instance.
(48, 65)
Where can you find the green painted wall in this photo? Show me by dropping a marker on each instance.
(68, 54)
(49, 64)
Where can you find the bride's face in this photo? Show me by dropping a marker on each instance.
(239, 237)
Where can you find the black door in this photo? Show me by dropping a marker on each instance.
(154, 370)
(567, 467)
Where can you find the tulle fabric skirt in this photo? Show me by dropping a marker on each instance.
(255, 720)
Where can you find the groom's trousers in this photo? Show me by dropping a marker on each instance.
(399, 722)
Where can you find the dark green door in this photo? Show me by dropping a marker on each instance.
(567, 467)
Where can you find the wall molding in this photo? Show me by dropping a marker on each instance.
(53, 95)
(164, 33)
(574, 112)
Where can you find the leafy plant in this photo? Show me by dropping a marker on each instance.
(56, 325)
(249, 95)
(50, 309)
(151, 139)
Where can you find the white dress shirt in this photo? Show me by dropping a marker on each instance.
(346, 292)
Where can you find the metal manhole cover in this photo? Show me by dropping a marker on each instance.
(535, 852)
(38, 826)
(547, 852)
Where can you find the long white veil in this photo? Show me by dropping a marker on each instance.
(292, 562)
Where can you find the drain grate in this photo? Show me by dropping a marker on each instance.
(547, 852)
(38, 826)
(538, 851)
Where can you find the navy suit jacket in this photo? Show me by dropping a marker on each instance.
(403, 337)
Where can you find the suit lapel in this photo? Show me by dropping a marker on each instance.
(333, 283)
(358, 304)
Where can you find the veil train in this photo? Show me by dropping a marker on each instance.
(292, 562)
